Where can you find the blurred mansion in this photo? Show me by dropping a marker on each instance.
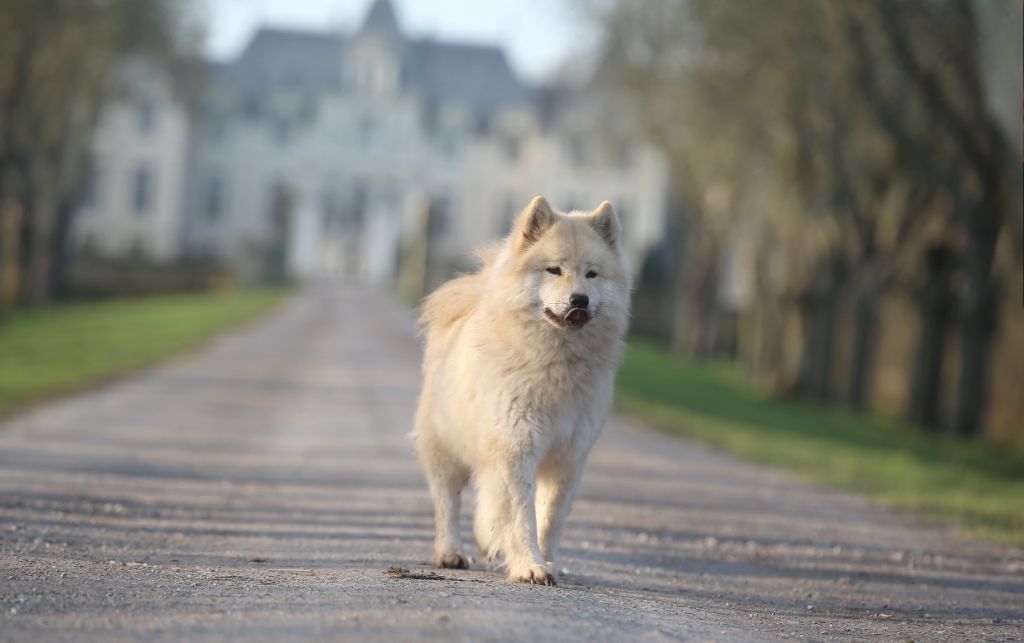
(374, 154)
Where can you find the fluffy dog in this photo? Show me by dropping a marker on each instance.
(518, 374)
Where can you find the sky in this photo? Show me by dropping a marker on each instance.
(538, 35)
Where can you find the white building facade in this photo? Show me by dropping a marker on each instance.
(311, 152)
(133, 200)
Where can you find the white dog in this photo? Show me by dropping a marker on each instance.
(518, 374)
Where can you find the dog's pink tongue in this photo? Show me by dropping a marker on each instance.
(577, 317)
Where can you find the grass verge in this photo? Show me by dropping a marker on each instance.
(57, 349)
(979, 486)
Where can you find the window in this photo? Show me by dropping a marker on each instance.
(511, 145)
(292, 76)
(440, 216)
(307, 110)
(623, 156)
(366, 132)
(203, 251)
(213, 205)
(576, 150)
(360, 199)
(330, 209)
(449, 143)
(282, 132)
(146, 117)
(91, 183)
(279, 206)
(430, 115)
(252, 108)
(142, 190)
(217, 128)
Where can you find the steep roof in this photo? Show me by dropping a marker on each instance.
(478, 76)
(307, 62)
(381, 19)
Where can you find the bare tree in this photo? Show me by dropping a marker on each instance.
(935, 48)
(872, 118)
(61, 59)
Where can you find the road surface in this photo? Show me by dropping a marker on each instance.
(260, 489)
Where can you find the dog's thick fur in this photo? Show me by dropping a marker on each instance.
(518, 377)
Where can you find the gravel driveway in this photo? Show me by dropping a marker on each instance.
(262, 488)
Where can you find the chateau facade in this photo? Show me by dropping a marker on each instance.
(316, 152)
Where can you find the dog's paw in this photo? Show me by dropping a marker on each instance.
(451, 560)
(533, 574)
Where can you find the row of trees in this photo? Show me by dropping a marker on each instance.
(850, 149)
(59, 62)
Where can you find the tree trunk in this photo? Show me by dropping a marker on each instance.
(935, 305)
(766, 357)
(680, 312)
(9, 236)
(981, 309)
(706, 300)
(818, 306)
(683, 313)
(61, 250)
(825, 331)
(978, 337)
(864, 343)
(26, 240)
(37, 275)
(766, 345)
(5, 248)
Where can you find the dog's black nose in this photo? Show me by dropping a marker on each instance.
(578, 301)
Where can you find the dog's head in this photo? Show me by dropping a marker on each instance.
(570, 266)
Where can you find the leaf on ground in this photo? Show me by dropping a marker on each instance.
(401, 572)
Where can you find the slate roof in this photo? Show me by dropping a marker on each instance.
(310, 63)
(381, 19)
(276, 59)
(475, 75)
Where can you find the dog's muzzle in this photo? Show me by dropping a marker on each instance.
(575, 318)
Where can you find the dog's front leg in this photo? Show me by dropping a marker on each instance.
(556, 486)
(517, 476)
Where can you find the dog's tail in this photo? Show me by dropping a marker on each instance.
(451, 303)
(456, 299)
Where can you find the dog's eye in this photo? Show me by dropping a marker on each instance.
(591, 274)
(555, 270)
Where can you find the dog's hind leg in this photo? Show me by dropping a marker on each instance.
(446, 477)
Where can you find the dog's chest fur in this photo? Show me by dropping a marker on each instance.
(551, 387)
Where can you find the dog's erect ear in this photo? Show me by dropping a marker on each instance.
(533, 222)
(606, 222)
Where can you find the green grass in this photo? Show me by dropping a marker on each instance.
(980, 486)
(53, 350)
